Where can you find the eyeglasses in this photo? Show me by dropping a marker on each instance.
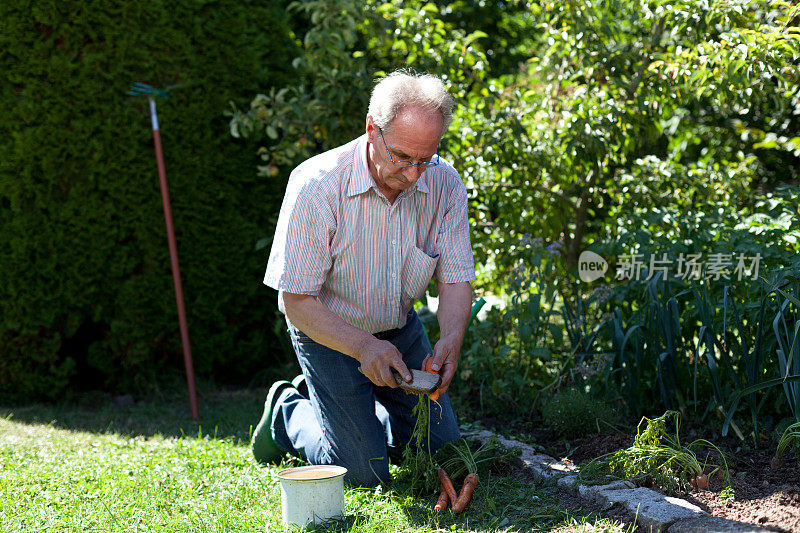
(421, 164)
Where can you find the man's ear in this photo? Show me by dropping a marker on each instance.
(370, 127)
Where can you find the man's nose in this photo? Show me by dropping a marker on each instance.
(412, 173)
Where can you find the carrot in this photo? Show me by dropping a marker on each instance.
(434, 395)
(470, 482)
(447, 485)
(441, 503)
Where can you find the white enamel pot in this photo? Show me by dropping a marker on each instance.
(312, 495)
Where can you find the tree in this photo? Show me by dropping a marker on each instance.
(630, 102)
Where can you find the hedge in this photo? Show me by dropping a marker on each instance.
(86, 296)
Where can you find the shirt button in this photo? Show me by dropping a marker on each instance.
(394, 276)
(394, 241)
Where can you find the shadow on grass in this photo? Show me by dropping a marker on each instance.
(224, 413)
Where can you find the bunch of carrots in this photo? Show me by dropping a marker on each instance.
(448, 494)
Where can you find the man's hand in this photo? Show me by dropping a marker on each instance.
(445, 360)
(377, 359)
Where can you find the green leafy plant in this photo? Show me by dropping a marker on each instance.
(658, 456)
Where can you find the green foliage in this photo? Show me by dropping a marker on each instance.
(87, 291)
(345, 48)
(628, 102)
(509, 27)
(769, 228)
(572, 413)
(545, 337)
(657, 455)
(326, 104)
(505, 358)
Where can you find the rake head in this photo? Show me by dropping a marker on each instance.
(142, 89)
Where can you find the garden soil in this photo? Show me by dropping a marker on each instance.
(765, 497)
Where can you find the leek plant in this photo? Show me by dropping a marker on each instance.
(649, 350)
(790, 434)
(724, 346)
(788, 351)
(786, 327)
(712, 350)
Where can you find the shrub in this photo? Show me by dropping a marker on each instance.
(87, 290)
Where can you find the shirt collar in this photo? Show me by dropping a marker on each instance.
(362, 181)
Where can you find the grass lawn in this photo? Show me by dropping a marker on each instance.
(95, 465)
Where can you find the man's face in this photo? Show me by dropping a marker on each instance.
(413, 136)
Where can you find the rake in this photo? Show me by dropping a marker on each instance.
(142, 89)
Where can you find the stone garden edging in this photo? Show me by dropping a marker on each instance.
(649, 508)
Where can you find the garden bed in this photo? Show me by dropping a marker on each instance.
(765, 497)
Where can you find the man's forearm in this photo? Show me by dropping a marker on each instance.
(323, 325)
(377, 357)
(455, 301)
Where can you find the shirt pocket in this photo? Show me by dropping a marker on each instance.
(417, 273)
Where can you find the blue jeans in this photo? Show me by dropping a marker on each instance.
(347, 420)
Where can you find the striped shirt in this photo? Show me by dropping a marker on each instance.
(339, 238)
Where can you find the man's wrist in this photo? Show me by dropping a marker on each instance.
(455, 339)
(360, 346)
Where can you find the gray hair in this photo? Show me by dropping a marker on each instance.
(401, 89)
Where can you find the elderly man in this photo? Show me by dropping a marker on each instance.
(362, 230)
